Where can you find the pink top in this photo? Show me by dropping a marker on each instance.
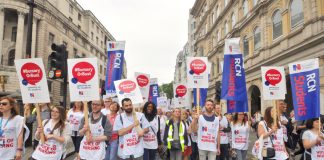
(112, 119)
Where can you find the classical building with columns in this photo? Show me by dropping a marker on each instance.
(272, 32)
(55, 21)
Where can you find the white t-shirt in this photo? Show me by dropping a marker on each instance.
(223, 123)
(163, 119)
(240, 136)
(74, 119)
(9, 139)
(317, 151)
(207, 134)
(284, 128)
(105, 111)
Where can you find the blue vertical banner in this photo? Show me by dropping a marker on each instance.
(154, 90)
(114, 65)
(202, 96)
(237, 106)
(305, 86)
(233, 82)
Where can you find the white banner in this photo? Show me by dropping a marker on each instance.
(143, 81)
(162, 102)
(181, 95)
(128, 88)
(273, 82)
(32, 80)
(83, 79)
(197, 72)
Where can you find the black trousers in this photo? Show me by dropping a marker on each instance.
(224, 155)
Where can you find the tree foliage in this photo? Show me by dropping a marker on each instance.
(167, 89)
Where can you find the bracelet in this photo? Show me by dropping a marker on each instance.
(19, 149)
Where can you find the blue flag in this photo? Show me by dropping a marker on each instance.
(154, 91)
(304, 78)
(237, 106)
(114, 65)
(202, 97)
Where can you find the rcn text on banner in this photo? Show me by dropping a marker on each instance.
(128, 88)
(273, 82)
(83, 79)
(233, 82)
(197, 72)
(114, 65)
(32, 80)
(305, 86)
(162, 102)
(154, 90)
(143, 81)
(181, 95)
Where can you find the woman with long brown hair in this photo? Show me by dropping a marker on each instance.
(272, 134)
(74, 117)
(240, 135)
(57, 133)
(11, 130)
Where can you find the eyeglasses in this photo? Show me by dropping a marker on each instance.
(96, 104)
(107, 101)
(4, 103)
(55, 111)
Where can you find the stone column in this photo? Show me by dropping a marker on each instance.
(2, 15)
(33, 50)
(20, 36)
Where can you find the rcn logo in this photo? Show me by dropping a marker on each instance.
(296, 67)
(112, 45)
(204, 129)
(32, 94)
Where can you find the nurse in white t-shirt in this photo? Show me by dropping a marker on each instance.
(106, 110)
(240, 135)
(313, 140)
(11, 130)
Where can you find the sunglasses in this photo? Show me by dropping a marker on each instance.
(4, 103)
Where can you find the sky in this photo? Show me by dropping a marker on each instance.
(155, 31)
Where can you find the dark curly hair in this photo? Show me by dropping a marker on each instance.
(149, 116)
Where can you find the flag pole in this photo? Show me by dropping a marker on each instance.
(276, 112)
(86, 116)
(198, 99)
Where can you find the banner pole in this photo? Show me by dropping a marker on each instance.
(138, 129)
(198, 99)
(276, 114)
(40, 123)
(86, 116)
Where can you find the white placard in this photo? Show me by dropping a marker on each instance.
(181, 95)
(32, 80)
(83, 79)
(162, 102)
(197, 72)
(128, 88)
(274, 83)
(143, 81)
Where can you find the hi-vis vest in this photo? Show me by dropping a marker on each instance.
(181, 133)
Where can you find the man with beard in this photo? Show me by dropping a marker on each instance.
(131, 127)
(152, 139)
(206, 125)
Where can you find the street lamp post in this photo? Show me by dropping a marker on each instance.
(31, 5)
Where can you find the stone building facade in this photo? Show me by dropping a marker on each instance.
(272, 32)
(55, 21)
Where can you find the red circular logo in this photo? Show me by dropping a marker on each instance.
(181, 90)
(142, 80)
(83, 72)
(273, 77)
(31, 73)
(127, 86)
(198, 66)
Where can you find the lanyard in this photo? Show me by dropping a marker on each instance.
(1, 123)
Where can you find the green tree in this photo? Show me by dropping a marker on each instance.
(167, 89)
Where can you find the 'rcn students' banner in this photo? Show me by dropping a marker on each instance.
(304, 78)
(154, 90)
(143, 81)
(114, 65)
(233, 82)
(32, 80)
(202, 96)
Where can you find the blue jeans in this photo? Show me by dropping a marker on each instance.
(149, 154)
(111, 152)
(241, 154)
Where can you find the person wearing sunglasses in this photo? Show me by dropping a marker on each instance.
(11, 130)
(57, 134)
(93, 146)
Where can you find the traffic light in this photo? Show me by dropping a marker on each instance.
(57, 60)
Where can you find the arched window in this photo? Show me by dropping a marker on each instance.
(245, 46)
(276, 24)
(225, 27)
(233, 20)
(11, 58)
(257, 38)
(245, 7)
(296, 12)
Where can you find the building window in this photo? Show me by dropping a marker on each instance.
(212, 18)
(13, 34)
(79, 17)
(51, 38)
(245, 46)
(225, 3)
(100, 69)
(75, 53)
(65, 30)
(245, 7)
(218, 35)
(71, 9)
(70, 19)
(233, 20)
(97, 29)
(276, 24)
(296, 12)
(97, 40)
(11, 58)
(257, 38)
(255, 2)
(79, 27)
(217, 11)
(91, 35)
(226, 27)
(92, 24)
